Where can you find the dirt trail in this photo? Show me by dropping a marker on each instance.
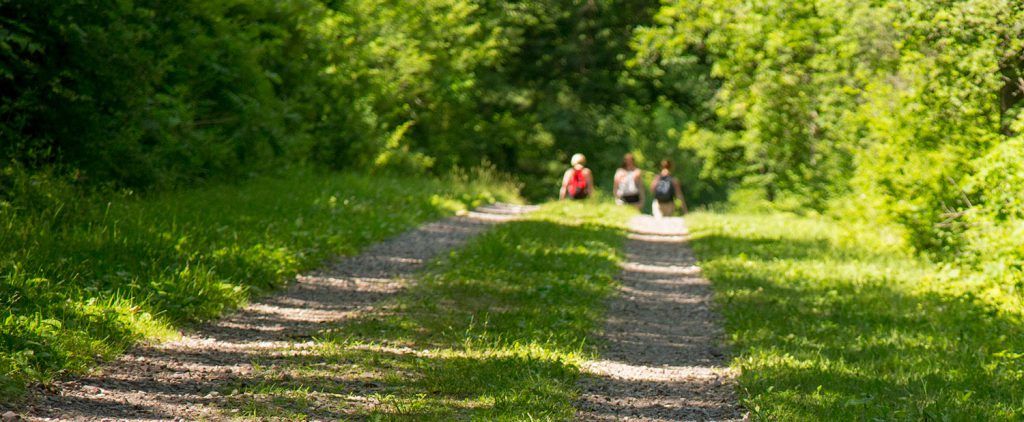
(662, 353)
(181, 379)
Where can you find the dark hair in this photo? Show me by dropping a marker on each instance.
(666, 164)
(626, 157)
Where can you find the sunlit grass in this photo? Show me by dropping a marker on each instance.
(833, 321)
(495, 331)
(79, 286)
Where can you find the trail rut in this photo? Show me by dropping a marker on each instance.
(662, 355)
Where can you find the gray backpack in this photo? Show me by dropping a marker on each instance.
(663, 190)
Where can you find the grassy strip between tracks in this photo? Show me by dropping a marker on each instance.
(84, 276)
(832, 321)
(494, 331)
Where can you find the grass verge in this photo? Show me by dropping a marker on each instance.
(495, 331)
(82, 277)
(831, 321)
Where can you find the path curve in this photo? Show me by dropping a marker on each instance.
(662, 350)
(179, 380)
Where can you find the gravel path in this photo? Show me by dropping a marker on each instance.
(661, 348)
(180, 379)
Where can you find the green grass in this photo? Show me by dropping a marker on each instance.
(495, 331)
(82, 277)
(834, 321)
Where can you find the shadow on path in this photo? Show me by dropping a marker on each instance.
(184, 378)
(661, 349)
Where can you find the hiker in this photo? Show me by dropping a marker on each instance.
(666, 189)
(627, 183)
(577, 182)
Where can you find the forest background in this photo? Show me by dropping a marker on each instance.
(905, 114)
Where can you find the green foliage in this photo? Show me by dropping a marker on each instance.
(782, 69)
(934, 119)
(907, 114)
(993, 241)
(893, 111)
(495, 331)
(84, 276)
(145, 93)
(836, 321)
(154, 94)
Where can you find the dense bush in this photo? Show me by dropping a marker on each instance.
(904, 111)
(145, 93)
(996, 225)
(155, 94)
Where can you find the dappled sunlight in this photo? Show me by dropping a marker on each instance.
(661, 353)
(78, 291)
(662, 373)
(494, 330)
(193, 374)
(871, 333)
(167, 166)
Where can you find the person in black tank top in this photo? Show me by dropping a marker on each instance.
(666, 189)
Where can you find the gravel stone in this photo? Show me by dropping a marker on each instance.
(662, 350)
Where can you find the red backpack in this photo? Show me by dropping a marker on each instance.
(577, 188)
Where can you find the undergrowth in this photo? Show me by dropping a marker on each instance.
(85, 275)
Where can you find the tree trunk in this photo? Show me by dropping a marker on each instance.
(1011, 94)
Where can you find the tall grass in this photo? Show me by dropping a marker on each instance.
(832, 321)
(83, 276)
